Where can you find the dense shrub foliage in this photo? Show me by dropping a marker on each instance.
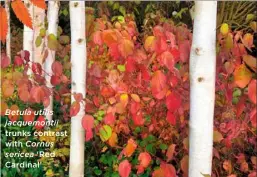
(137, 103)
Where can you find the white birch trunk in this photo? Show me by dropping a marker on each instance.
(52, 16)
(202, 88)
(78, 73)
(8, 37)
(38, 23)
(28, 36)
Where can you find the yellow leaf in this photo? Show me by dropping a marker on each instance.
(224, 29)
(135, 97)
(124, 99)
(217, 136)
(149, 43)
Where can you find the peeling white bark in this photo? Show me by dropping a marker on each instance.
(78, 73)
(52, 16)
(202, 88)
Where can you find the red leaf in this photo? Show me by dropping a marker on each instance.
(5, 61)
(171, 118)
(130, 65)
(107, 92)
(109, 118)
(21, 13)
(18, 61)
(158, 84)
(173, 102)
(240, 106)
(167, 60)
(168, 169)
(138, 119)
(252, 91)
(175, 53)
(253, 118)
(88, 122)
(74, 109)
(37, 94)
(124, 168)
(89, 135)
(160, 45)
(3, 24)
(144, 159)
(25, 55)
(78, 96)
(184, 50)
(57, 68)
(97, 37)
(55, 80)
(37, 68)
(40, 125)
(39, 3)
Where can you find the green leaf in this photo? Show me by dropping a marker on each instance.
(65, 12)
(115, 6)
(150, 148)
(97, 171)
(105, 132)
(163, 146)
(38, 41)
(121, 68)
(52, 42)
(42, 32)
(122, 10)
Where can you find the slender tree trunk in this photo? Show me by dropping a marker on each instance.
(28, 36)
(78, 73)
(202, 88)
(38, 23)
(52, 16)
(8, 37)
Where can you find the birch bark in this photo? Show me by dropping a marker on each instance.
(202, 88)
(52, 16)
(78, 74)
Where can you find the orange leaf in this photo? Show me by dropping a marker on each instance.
(113, 140)
(3, 24)
(22, 13)
(184, 165)
(39, 3)
(130, 148)
(170, 152)
(7, 88)
(126, 48)
(15, 116)
(242, 76)
(227, 166)
(250, 61)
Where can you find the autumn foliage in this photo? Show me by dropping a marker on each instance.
(137, 101)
